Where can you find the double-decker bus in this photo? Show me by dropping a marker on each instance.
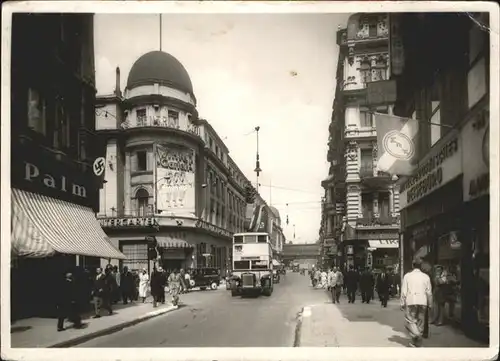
(252, 264)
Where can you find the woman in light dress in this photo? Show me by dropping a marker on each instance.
(143, 284)
(324, 279)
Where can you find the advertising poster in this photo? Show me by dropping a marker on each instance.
(175, 177)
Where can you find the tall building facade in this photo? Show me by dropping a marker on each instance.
(168, 173)
(361, 203)
(445, 203)
(54, 193)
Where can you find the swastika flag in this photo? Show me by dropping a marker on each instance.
(396, 140)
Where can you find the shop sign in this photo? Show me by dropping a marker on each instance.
(212, 228)
(440, 166)
(350, 250)
(476, 163)
(129, 222)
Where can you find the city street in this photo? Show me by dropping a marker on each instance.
(215, 319)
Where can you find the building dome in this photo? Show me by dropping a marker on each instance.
(162, 68)
(275, 212)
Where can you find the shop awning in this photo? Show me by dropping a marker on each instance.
(383, 243)
(276, 263)
(43, 226)
(173, 242)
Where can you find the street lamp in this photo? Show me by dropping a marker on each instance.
(257, 160)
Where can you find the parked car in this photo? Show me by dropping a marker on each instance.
(207, 277)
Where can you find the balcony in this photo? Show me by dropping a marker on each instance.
(182, 124)
(374, 179)
(383, 221)
(354, 132)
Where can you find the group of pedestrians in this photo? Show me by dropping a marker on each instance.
(108, 286)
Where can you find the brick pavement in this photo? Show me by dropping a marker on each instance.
(368, 325)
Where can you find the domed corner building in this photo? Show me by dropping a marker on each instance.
(167, 171)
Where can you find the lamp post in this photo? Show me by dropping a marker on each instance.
(294, 232)
(257, 169)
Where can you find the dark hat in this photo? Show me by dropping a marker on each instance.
(417, 262)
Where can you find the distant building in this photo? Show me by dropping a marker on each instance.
(361, 203)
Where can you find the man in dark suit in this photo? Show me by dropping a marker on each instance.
(351, 281)
(67, 305)
(383, 287)
(366, 284)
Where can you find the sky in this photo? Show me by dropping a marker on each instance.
(276, 71)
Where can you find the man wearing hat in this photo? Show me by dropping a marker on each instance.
(416, 299)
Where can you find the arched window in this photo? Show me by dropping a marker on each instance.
(142, 197)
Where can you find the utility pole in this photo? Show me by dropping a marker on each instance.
(257, 160)
(160, 32)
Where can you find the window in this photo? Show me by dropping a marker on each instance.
(137, 256)
(210, 142)
(365, 119)
(365, 71)
(366, 162)
(367, 205)
(173, 119)
(37, 112)
(61, 130)
(379, 72)
(241, 265)
(142, 197)
(142, 163)
(141, 117)
(373, 29)
(383, 205)
(435, 121)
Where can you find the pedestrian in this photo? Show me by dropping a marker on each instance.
(383, 287)
(67, 303)
(187, 279)
(351, 282)
(157, 287)
(416, 297)
(174, 285)
(100, 293)
(443, 293)
(110, 289)
(331, 282)
(324, 279)
(163, 278)
(366, 284)
(316, 278)
(339, 281)
(143, 285)
(127, 285)
(117, 289)
(183, 288)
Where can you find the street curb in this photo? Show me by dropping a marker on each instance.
(298, 329)
(112, 329)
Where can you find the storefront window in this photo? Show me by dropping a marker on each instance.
(137, 256)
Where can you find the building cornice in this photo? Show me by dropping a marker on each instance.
(151, 99)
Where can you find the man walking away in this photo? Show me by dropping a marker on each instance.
(111, 286)
(416, 297)
(366, 284)
(174, 285)
(67, 305)
(156, 286)
(351, 281)
(116, 291)
(331, 283)
(127, 285)
(383, 287)
(163, 278)
(339, 282)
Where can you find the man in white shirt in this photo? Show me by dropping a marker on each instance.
(416, 297)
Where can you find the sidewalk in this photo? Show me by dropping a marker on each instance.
(368, 325)
(42, 332)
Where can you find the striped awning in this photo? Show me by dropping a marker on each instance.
(173, 242)
(42, 226)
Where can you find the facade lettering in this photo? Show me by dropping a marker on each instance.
(448, 150)
(130, 222)
(32, 174)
